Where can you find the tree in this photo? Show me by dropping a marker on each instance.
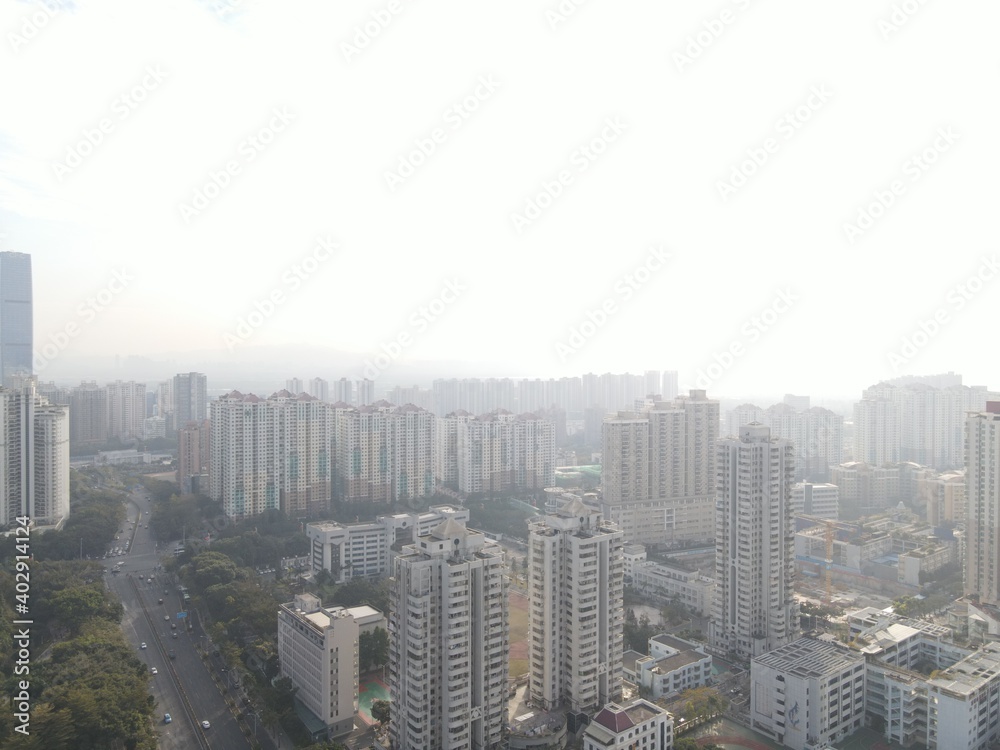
(380, 712)
(373, 649)
(702, 702)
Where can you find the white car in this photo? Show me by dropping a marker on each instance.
(153, 671)
(206, 725)
(166, 617)
(142, 645)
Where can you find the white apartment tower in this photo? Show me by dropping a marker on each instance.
(982, 497)
(384, 453)
(658, 470)
(449, 642)
(755, 611)
(34, 457)
(126, 409)
(271, 453)
(576, 571)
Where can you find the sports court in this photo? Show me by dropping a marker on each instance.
(369, 691)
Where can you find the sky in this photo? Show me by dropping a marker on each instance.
(767, 196)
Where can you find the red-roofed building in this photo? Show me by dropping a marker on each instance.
(640, 725)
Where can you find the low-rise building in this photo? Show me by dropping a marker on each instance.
(808, 693)
(670, 582)
(639, 724)
(365, 550)
(673, 666)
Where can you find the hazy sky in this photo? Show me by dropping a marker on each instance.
(785, 189)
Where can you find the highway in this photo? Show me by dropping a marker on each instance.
(184, 687)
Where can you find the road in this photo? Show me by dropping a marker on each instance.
(184, 687)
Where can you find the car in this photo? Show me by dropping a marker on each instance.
(206, 724)
(173, 626)
(161, 601)
(171, 654)
(167, 719)
(166, 617)
(142, 645)
(174, 634)
(153, 671)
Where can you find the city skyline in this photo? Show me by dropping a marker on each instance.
(516, 202)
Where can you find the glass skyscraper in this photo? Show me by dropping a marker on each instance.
(16, 322)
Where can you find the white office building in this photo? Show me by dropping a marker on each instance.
(365, 550)
(575, 614)
(817, 500)
(318, 652)
(449, 642)
(808, 693)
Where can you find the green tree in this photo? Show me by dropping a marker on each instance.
(373, 649)
(380, 711)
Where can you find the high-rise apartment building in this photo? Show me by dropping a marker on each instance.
(126, 409)
(271, 453)
(343, 391)
(497, 452)
(916, 421)
(658, 470)
(294, 386)
(384, 453)
(194, 455)
(319, 388)
(982, 497)
(576, 572)
(16, 318)
(189, 399)
(365, 392)
(88, 415)
(755, 611)
(449, 642)
(34, 457)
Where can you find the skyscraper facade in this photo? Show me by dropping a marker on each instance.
(754, 611)
(16, 317)
(982, 497)
(449, 644)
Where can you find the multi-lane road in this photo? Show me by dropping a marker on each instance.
(183, 686)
